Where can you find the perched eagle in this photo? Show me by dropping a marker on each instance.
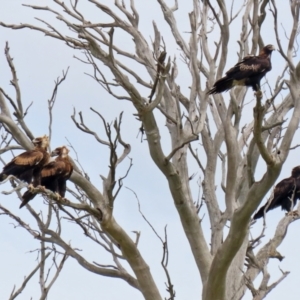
(286, 194)
(28, 165)
(248, 72)
(54, 174)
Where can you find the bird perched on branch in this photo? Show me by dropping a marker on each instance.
(248, 72)
(286, 194)
(54, 175)
(28, 165)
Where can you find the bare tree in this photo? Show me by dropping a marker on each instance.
(231, 145)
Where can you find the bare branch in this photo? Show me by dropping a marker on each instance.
(51, 101)
(14, 294)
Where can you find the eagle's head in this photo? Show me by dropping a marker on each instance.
(41, 142)
(60, 151)
(268, 49)
(296, 172)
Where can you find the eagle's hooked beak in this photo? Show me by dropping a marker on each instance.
(54, 153)
(36, 141)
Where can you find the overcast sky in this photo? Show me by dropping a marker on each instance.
(39, 61)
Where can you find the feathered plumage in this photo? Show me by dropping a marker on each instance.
(286, 194)
(248, 72)
(54, 174)
(28, 165)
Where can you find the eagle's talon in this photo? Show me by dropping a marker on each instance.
(57, 195)
(293, 213)
(30, 186)
(258, 93)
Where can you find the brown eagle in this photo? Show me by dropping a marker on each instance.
(286, 194)
(28, 165)
(54, 175)
(248, 72)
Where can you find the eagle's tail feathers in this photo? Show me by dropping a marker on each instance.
(222, 85)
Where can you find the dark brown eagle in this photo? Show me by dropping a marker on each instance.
(28, 165)
(54, 175)
(248, 72)
(286, 194)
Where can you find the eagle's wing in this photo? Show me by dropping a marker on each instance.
(62, 186)
(282, 194)
(282, 197)
(23, 165)
(29, 158)
(250, 66)
(48, 180)
(56, 174)
(53, 168)
(68, 169)
(62, 181)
